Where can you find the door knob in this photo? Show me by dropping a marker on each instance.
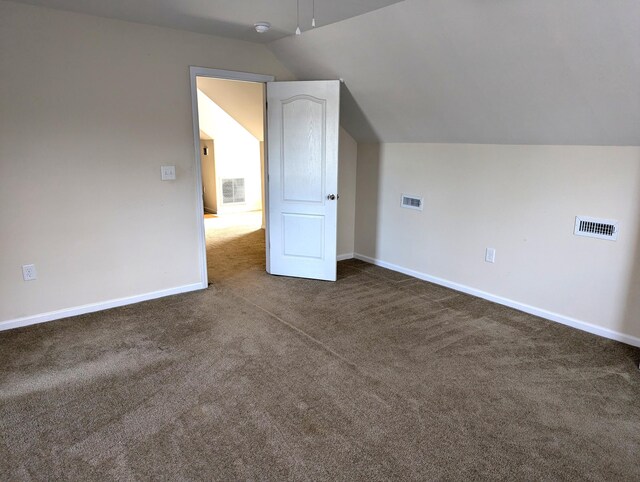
(332, 197)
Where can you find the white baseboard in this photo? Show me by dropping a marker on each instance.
(342, 257)
(532, 310)
(90, 308)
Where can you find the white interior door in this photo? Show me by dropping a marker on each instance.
(302, 134)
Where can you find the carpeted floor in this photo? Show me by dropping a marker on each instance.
(378, 376)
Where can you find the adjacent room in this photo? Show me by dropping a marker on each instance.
(231, 132)
(326, 240)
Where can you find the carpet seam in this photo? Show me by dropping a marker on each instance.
(406, 401)
(301, 332)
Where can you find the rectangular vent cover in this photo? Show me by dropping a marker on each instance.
(596, 228)
(411, 202)
(233, 191)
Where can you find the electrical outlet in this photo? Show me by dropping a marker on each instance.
(490, 255)
(29, 272)
(168, 173)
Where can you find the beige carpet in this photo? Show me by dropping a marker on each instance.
(375, 377)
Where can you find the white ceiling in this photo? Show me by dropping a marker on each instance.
(483, 71)
(226, 18)
(244, 101)
(467, 71)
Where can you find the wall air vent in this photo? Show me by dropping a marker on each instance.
(596, 228)
(411, 202)
(233, 191)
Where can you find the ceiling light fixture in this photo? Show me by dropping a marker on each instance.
(313, 15)
(298, 17)
(262, 27)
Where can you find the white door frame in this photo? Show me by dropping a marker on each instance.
(229, 75)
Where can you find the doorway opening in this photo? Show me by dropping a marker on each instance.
(301, 212)
(229, 120)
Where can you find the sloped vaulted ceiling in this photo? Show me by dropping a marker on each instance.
(483, 71)
(469, 71)
(224, 18)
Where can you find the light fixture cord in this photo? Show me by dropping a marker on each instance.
(297, 17)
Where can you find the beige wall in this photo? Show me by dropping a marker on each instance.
(208, 166)
(90, 110)
(520, 200)
(244, 101)
(347, 164)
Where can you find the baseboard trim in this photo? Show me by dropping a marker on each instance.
(92, 307)
(532, 310)
(342, 257)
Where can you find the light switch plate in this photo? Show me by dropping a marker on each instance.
(490, 255)
(168, 173)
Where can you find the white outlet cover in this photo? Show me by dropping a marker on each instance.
(29, 272)
(168, 173)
